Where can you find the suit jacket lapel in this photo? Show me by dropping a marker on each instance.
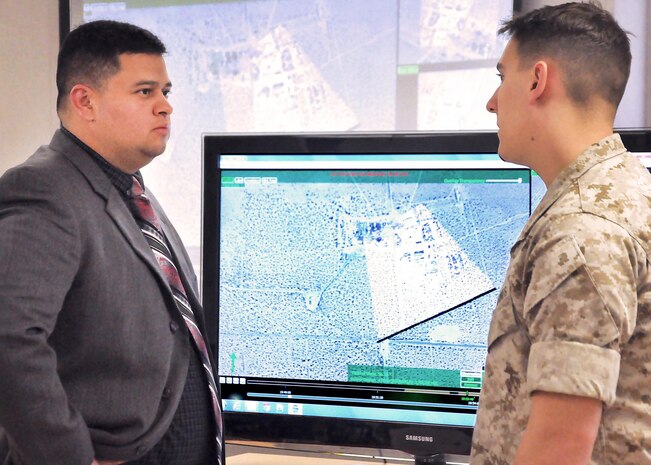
(122, 217)
(115, 206)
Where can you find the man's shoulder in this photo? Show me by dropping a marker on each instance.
(43, 168)
(47, 157)
(619, 173)
(54, 166)
(618, 190)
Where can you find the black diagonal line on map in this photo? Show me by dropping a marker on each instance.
(438, 314)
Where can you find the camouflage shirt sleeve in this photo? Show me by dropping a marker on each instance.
(579, 306)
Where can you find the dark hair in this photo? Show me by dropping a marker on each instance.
(591, 48)
(90, 53)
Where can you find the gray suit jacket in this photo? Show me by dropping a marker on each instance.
(93, 353)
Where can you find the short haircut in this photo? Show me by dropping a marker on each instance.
(90, 53)
(592, 49)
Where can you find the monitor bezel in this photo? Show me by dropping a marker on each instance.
(335, 433)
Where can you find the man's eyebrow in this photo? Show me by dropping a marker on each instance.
(151, 83)
(500, 67)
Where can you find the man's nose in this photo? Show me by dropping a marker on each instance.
(491, 105)
(164, 106)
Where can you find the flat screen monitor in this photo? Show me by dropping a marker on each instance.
(350, 279)
(354, 277)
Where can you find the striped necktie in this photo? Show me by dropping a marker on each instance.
(150, 225)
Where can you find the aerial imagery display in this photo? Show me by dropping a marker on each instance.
(338, 275)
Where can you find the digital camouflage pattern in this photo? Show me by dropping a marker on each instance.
(574, 313)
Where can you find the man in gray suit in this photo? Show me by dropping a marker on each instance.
(102, 340)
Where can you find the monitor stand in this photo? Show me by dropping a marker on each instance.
(438, 459)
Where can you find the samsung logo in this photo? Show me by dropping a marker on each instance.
(411, 437)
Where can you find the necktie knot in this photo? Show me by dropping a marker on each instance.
(136, 187)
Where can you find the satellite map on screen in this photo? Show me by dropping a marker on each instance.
(333, 275)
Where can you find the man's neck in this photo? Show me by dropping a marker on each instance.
(93, 143)
(564, 140)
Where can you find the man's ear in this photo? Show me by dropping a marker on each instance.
(81, 102)
(538, 81)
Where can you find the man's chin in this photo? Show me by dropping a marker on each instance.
(157, 151)
(505, 155)
(500, 152)
(149, 155)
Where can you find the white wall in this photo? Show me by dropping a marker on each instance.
(29, 41)
(632, 17)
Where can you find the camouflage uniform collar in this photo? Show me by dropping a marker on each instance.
(606, 148)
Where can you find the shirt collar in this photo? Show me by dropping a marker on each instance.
(608, 147)
(121, 180)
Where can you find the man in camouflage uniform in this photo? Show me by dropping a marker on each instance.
(569, 347)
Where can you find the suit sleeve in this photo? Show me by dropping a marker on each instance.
(39, 258)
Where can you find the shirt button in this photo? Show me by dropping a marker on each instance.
(174, 327)
(167, 392)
